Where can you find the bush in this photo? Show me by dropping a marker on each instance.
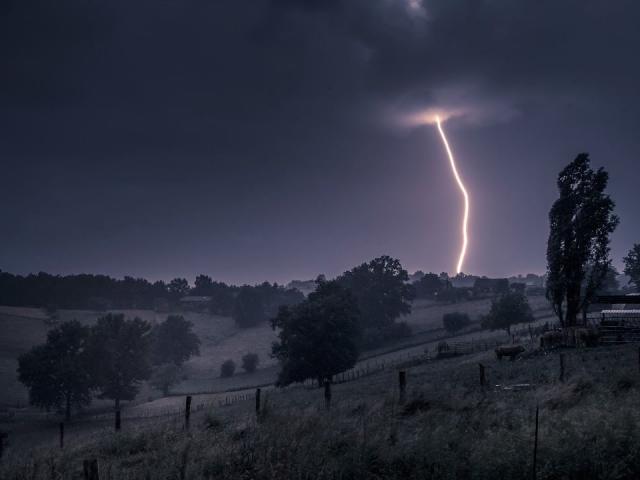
(250, 362)
(509, 309)
(228, 368)
(455, 321)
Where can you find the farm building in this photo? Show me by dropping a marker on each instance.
(619, 321)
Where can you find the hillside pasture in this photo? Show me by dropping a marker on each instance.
(221, 340)
(427, 315)
(448, 427)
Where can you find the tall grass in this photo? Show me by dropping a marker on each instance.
(449, 428)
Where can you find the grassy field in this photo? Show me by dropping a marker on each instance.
(25, 327)
(221, 340)
(448, 427)
(427, 314)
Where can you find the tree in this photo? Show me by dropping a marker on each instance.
(228, 368)
(248, 309)
(455, 321)
(273, 296)
(581, 221)
(120, 351)
(203, 286)
(174, 341)
(165, 376)
(632, 265)
(429, 286)
(318, 338)
(178, 288)
(56, 373)
(381, 291)
(250, 362)
(509, 309)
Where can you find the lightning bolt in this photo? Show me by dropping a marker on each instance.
(465, 219)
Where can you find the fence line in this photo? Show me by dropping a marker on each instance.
(371, 367)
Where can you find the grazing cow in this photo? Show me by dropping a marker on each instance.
(511, 351)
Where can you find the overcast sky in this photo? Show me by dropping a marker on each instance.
(268, 140)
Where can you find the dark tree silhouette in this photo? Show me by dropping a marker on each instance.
(632, 265)
(174, 341)
(178, 288)
(507, 310)
(581, 221)
(248, 309)
(120, 351)
(93, 292)
(274, 296)
(381, 290)
(318, 338)
(57, 373)
(228, 368)
(202, 286)
(250, 362)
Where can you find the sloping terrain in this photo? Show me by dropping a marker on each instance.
(449, 426)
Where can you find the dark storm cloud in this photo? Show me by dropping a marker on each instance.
(177, 133)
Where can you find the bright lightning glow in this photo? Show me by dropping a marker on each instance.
(464, 193)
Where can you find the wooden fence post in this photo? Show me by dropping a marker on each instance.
(118, 420)
(482, 377)
(187, 412)
(61, 434)
(402, 383)
(535, 447)
(327, 394)
(257, 402)
(90, 469)
(562, 367)
(3, 435)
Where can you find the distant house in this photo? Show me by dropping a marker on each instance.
(489, 287)
(195, 303)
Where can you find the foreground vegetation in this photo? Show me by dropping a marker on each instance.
(448, 427)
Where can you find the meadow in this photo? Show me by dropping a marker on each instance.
(449, 426)
(221, 340)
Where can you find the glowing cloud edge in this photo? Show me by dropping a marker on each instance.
(465, 238)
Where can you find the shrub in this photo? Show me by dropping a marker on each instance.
(250, 362)
(455, 321)
(228, 368)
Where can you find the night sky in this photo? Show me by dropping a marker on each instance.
(267, 140)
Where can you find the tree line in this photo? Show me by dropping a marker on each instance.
(249, 305)
(110, 360)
